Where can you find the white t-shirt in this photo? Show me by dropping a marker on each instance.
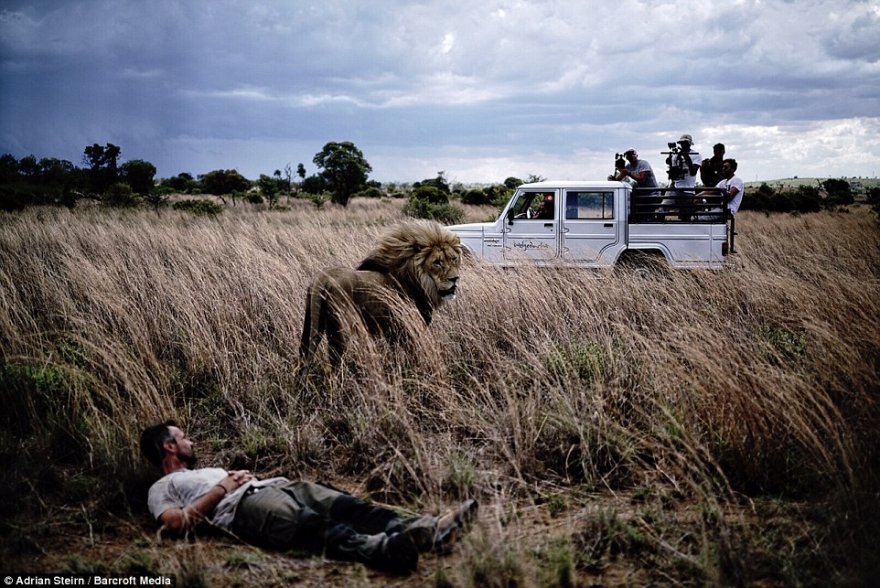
(183, 487)
(737, 183)
(689, 181)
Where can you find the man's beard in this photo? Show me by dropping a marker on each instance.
(190, 460)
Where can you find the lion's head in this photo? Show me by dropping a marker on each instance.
(419, 254)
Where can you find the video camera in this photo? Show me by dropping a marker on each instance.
(619, 161)
(677, 165)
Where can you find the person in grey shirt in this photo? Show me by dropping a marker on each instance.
(639, 170)
(282, 514)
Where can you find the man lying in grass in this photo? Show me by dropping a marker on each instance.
(278, 513)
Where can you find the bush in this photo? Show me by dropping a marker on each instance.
(120, 196)
(442, 213)
(477, 197)
(430, 194)
(199, 206)
(370, 192)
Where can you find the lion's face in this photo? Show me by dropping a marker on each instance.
(440, 264)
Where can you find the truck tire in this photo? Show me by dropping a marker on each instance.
(645, 265)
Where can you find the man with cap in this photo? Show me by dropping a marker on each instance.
(639, 170)
(683, 168)
(687, 161)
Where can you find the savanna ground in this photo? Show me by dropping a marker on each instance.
(697, 428)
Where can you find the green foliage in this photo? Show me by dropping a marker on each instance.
(157, 198)
(222, 182)
(344, 169)
(558, 564)
(120, 195)
(319, 200)
(873, 198)
(439, 183)
(839, 193)
(442, 213)
(802, 199)
(461, 476)
(182, 183)
(199, 206)
(430, 194)
(476, 197)
(272, 187)
(786, 342)
(586, 361)
(139, 174)
(103, 166)
(371, 192)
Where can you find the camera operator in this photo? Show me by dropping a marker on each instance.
(639, 170)
(685, 161)
(683, 167)
(710, 170)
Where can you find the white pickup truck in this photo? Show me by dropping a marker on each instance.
(600, 224)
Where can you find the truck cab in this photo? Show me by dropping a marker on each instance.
(595, 224)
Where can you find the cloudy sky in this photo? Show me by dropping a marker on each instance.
(481, 90)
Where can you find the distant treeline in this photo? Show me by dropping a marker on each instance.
(343, 174)
(827, 194)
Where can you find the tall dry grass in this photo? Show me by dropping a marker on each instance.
(694, 388)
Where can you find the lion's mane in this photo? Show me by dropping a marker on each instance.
(415, 263)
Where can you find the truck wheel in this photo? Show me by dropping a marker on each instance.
(645, 265)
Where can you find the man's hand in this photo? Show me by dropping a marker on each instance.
(178, 520)
(236, 479)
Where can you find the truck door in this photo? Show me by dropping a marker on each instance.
(531, 226)
(590, 229)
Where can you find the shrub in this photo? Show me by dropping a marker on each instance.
(442, 213)
(430, 194)
(477, 197)
(199, 206)
(120, 196)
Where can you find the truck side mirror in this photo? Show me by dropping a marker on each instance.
(510, 216)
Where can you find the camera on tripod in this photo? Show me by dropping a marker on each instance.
(676, 162)
(619, 161)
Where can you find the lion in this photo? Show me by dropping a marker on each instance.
(414, 264)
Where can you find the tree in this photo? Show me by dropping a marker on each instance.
(344, 168)
(839, 192)
(103, 167)
(182, 183)
(139, 174)
(223, 182)
(271, 187)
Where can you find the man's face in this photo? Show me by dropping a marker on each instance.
(183, 447)
(726, 170)
(631, 157)
(685, 146)
(719, 152)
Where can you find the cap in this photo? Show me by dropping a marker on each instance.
(687, 138)
(630, 150)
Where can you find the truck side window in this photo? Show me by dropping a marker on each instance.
(534, 205)
(589, 205)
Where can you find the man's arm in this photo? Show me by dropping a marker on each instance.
(178, 520)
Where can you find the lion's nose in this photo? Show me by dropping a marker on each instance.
(454, 280)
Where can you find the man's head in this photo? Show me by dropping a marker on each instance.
(631, 155)
(686, 142)
(166, 439)
(718, 150)
(728, 168)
